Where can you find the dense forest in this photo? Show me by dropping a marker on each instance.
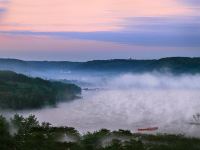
(19, 133)
(18, 91)
(176, 65)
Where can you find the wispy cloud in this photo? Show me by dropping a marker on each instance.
(144, 31)
(191, 2)
(3, 8)
(83, 16)
(136, 24)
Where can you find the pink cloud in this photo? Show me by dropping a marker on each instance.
(82, 15)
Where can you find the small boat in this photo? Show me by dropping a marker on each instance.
(148, 129)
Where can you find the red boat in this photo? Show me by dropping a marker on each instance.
(148, 129)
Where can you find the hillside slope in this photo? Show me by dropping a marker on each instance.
(18, 91)
(176, 65)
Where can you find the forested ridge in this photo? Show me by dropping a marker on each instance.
(175, 65)
(18, 91)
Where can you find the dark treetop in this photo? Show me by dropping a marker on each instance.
(18, 91)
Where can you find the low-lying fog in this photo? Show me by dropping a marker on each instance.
(131, 101)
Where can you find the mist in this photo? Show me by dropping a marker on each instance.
(130, 101)
(155, 81)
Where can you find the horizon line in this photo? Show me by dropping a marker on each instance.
(131, 58)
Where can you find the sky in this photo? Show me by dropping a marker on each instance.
(80, 30)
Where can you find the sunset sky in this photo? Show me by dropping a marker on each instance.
(80, 30)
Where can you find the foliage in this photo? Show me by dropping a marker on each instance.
(18, 91)
(5, 138)
(175, 65)
(31, 135)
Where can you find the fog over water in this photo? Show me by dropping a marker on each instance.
(131, 101)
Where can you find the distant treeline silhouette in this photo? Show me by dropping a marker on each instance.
(176, 65)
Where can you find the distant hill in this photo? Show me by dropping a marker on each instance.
(28, 66)
(18, 91)
(175, 65)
